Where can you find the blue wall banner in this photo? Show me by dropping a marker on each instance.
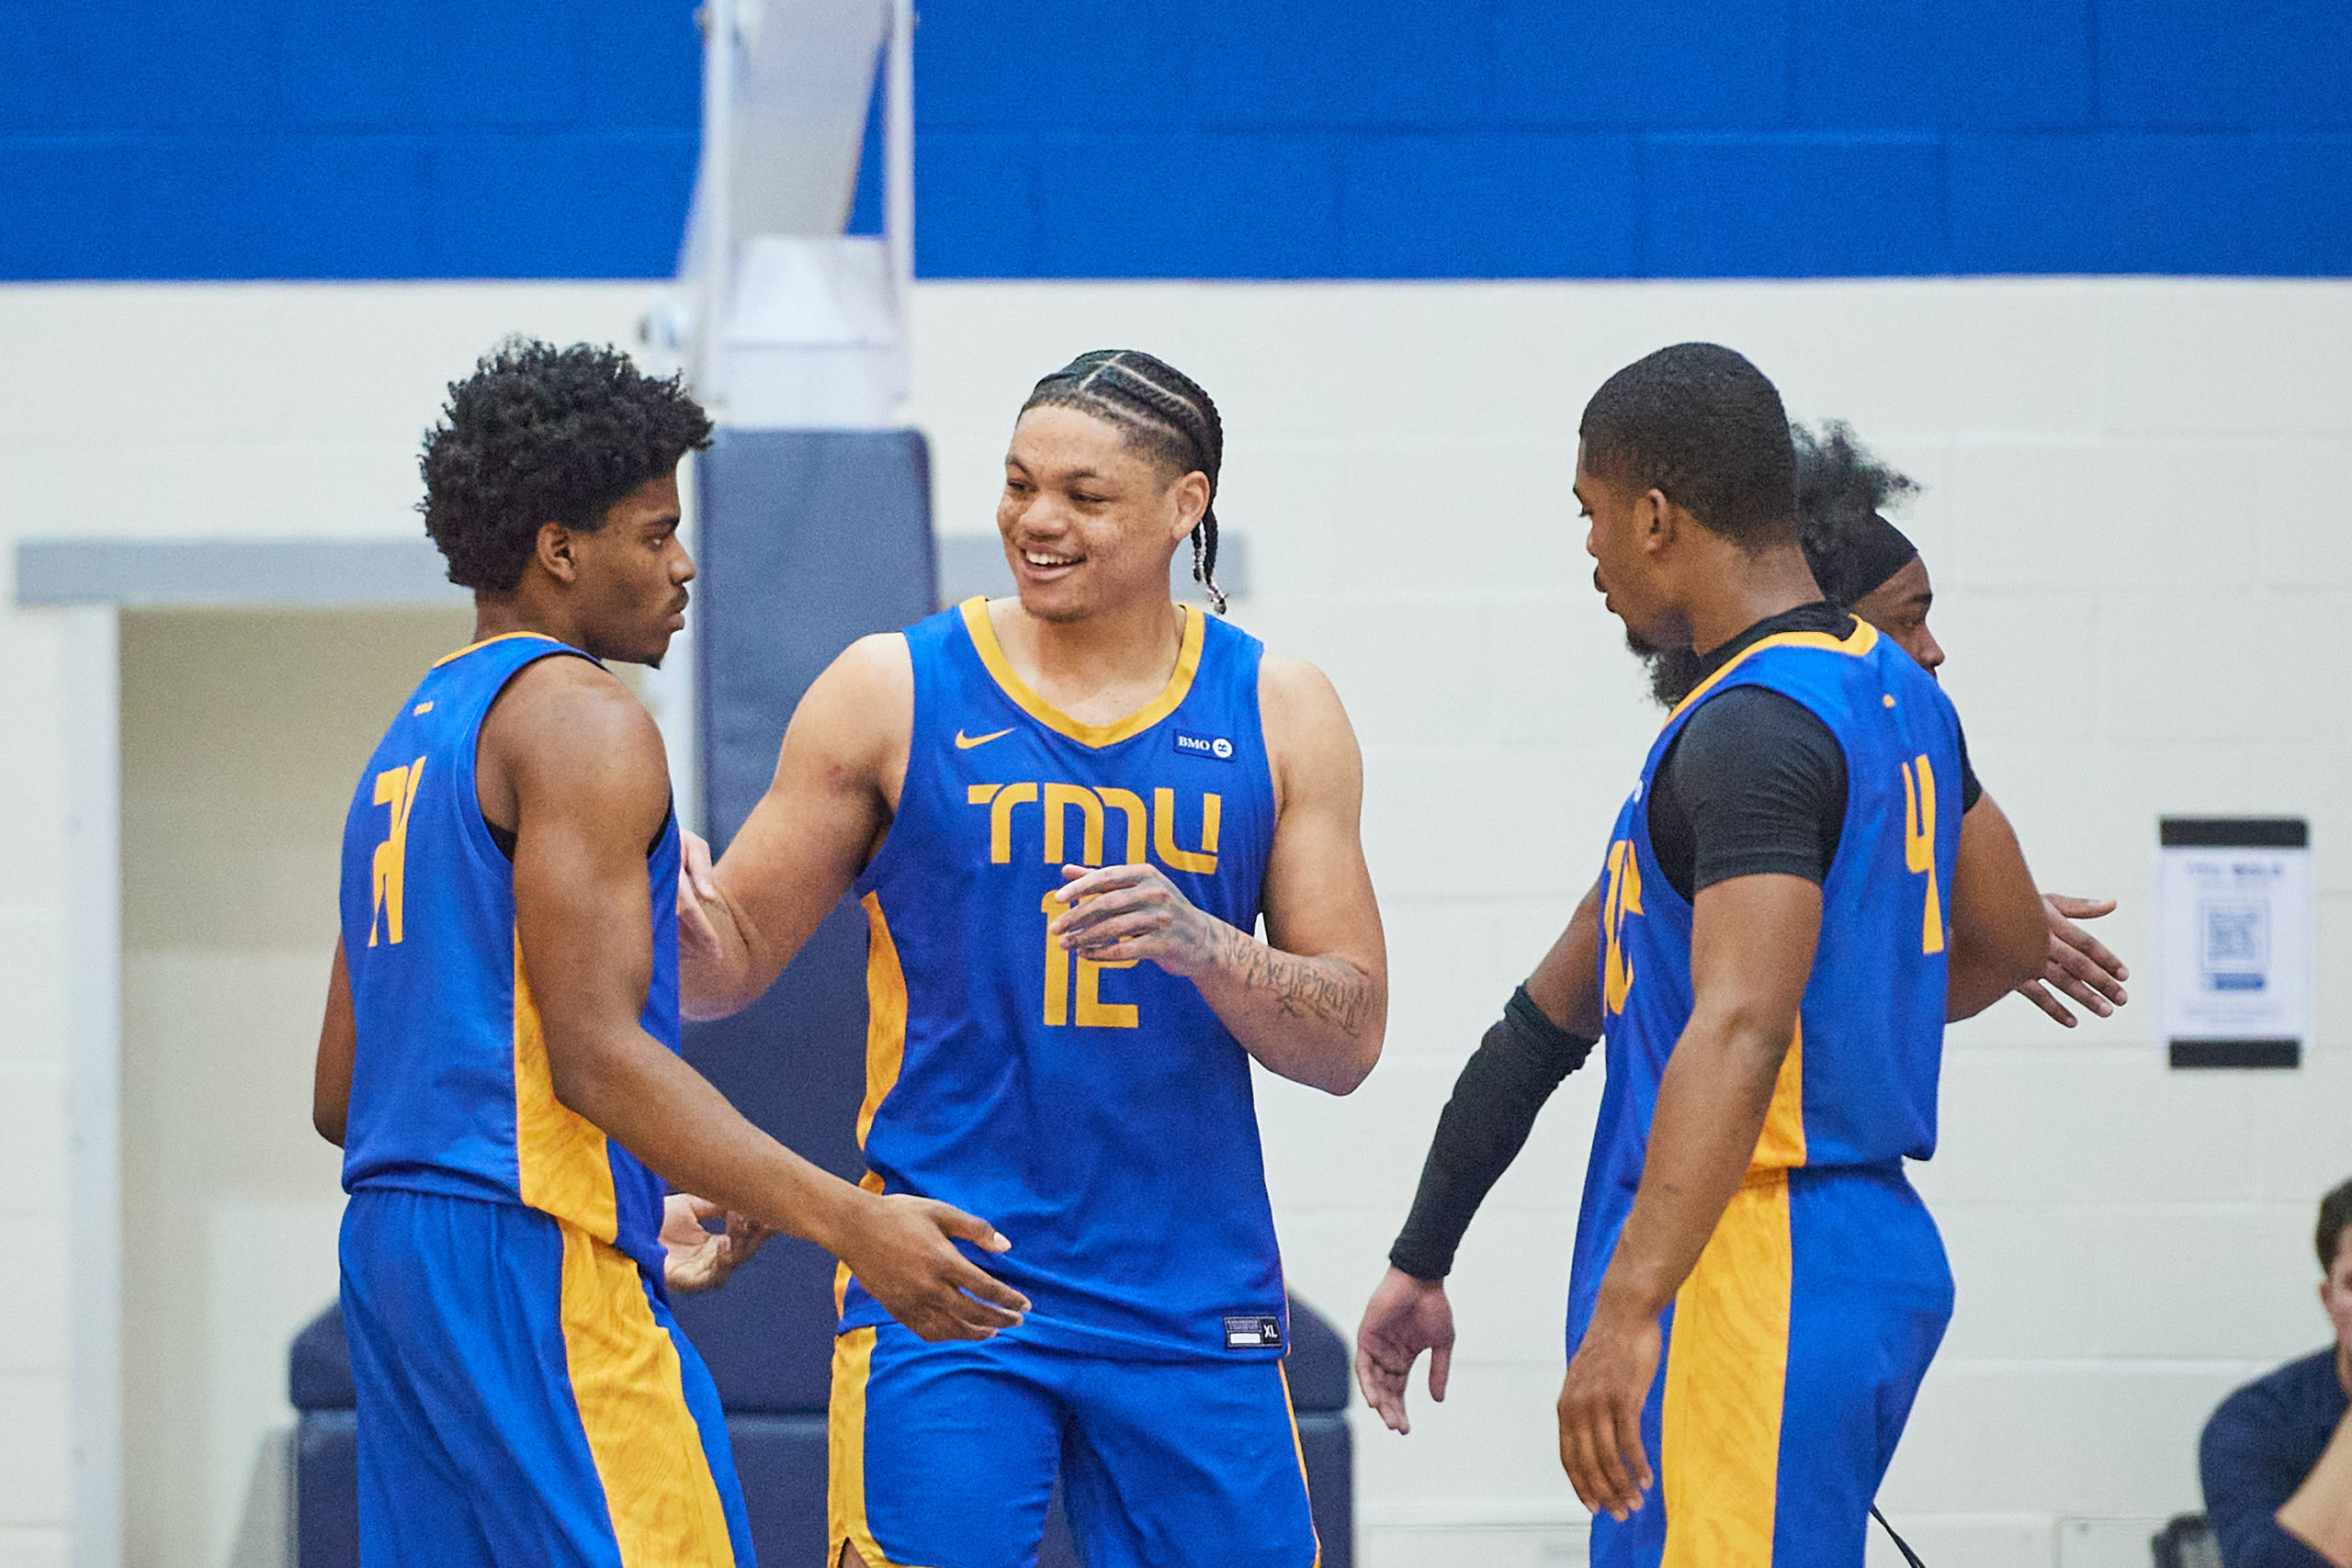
(1116, 138)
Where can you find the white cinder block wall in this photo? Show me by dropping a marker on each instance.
(2137, 519)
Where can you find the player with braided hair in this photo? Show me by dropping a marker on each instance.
(1168, 414)
(1064, 814)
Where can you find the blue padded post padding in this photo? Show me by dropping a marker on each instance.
(809, 541)
(781, 1463)
(326, 1487)
(1317, 1363)
(318, 1371)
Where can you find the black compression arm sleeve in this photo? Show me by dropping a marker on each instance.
(1504, 1084)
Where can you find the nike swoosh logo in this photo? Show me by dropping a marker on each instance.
(965, 743)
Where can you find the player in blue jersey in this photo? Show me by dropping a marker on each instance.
(1064, 815)
(1796, 896)
(1859, 560)
(499, 1059)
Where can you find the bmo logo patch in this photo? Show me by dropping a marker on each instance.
(1215, 746)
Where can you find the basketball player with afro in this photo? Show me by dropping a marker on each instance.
(1064, 814)
(498, 1056)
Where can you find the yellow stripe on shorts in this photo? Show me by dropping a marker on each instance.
(630, 1390)
(1726, 1371)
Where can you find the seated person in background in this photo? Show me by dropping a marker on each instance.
(2277, 1457)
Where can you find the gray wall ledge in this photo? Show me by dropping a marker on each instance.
(232, 574)
(235, 573)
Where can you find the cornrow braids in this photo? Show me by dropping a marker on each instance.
(1162, 412)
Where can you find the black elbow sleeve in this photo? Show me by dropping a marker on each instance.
(1521, 1060)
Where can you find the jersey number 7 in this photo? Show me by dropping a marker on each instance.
(395, 787)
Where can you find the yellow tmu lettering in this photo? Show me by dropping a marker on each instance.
(1919, 846)
(1059, 798)
(1131, 804)
(1001, 818)
(395, 787)
(1163, 833)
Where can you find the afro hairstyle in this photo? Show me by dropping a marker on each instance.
(541, 434)
(1840, 486)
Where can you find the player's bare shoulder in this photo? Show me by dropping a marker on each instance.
(568, 728)
(859, 716)
(1310, 745)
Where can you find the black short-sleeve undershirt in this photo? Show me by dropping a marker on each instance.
(1755, 783)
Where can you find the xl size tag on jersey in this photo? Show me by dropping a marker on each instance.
(1253, 1332)
(1215, 746)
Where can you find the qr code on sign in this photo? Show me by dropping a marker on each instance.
(2236, 934)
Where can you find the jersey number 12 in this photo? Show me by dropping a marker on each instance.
(1093, 1012)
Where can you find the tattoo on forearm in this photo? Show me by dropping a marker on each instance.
(1327, 990)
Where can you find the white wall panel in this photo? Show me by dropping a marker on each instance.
(2139, 514)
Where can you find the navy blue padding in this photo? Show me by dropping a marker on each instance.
(1329, 1452)
(767, 1336)
(777, 1343)
(809, 541)
(781, 1461)
(318, 1370)
(326, 1489)
(1317, 1363)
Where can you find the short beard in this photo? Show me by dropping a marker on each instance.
(1674, 673)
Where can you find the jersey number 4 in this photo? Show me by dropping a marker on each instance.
(1919, 846)
(395, 787)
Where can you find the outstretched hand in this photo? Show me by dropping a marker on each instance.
(2079, 964)
(1405, 1317)
(697, 1259)
(903, 1252)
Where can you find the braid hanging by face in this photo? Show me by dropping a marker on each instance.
(1161, 411)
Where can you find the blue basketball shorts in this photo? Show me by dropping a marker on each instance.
(945, 1455)
(524, 1397)
(1792, 1355)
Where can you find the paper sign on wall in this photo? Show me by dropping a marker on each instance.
(2234, 922)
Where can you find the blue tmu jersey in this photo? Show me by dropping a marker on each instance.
(1098, 1115)
(451, 1091)
(1858, 1086)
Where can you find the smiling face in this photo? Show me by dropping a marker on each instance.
(628, 578)
(1625, 533)
(1899, 607)
(1089, 522)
